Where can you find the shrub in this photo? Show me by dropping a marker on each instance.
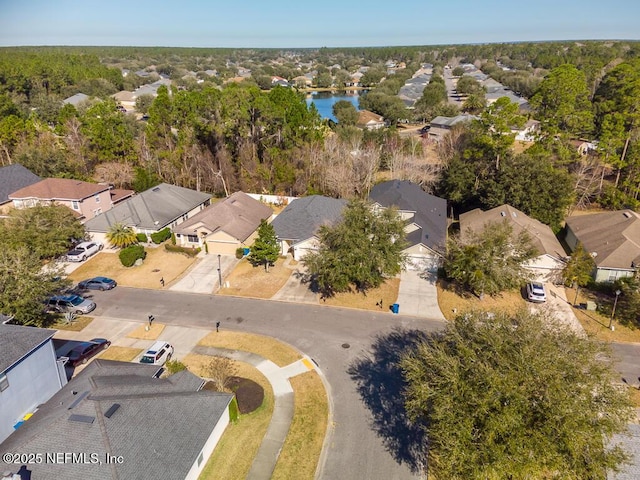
(239, 253)
(192, 252)
(173, 238)
(142, 237)
(175, 366)
(129, 255)
(233, 409)
(161, 236)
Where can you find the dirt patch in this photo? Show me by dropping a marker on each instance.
(370, 300)
(248, 281)
(159, 264)
(152, 333)
(452, 302)
(249, 394)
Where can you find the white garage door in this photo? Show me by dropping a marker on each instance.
(428, 263)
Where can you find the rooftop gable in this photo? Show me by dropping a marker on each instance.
(301, 219)
(59, 189)
(13, 178)
(17, 341)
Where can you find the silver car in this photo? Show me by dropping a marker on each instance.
(70, 303)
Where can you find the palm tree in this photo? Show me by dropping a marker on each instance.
(120, 236)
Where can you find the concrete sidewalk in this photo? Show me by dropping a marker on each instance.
(265, 461)
(202, 277)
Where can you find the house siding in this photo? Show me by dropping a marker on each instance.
(209, 446)
(612, 274)
(32, 381)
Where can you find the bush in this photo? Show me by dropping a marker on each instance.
(175, 366)
(233, 409)
(239, 253)
(161, 236)
(142, 237)
(192, 252)
(173, 238)
(129, 255)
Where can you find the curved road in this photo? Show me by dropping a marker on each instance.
(361, 445)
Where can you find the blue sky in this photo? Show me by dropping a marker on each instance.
(260, 23)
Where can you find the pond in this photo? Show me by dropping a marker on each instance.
(324, 101)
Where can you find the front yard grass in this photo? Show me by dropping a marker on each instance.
(301, 450)
(387, 292)
(76, 326)
(121, 354)
(597, 324)
(267, 347)
(234, 454)
(452, 303)
(158, 264)
(152, 333)
(248, 281)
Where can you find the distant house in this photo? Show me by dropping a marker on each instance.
(612, 238)
(425, 216)
(584, 147)
(76, 99)
(13, 178)
(297, 225)
(29, 374)
(126, 99)
(302, 80)
(528, 132)
(150, 211)
(153, 427)
(440, 126)
(548, 264)
(85, 199)
(369, 120)
(275, 80)
(225, 226)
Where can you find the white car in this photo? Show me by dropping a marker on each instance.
(83, 250)
(158, 354)
(536, 293)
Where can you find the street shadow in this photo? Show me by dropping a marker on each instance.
(381, 387)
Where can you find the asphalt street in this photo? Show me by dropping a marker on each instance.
(368, 436)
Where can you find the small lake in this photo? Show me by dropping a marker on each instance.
(324, 101)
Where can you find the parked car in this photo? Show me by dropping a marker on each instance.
(97, 283)
(425, 129)
(536, 293)
(82, 352)
(159, 353)
(84, 250)
(69, 303)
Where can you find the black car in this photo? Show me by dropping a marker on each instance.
(97, 283)
(425, 129)
(82, 352)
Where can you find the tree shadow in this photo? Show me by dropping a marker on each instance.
(381, 386)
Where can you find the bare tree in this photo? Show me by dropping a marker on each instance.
(219, 370)
(114, 173)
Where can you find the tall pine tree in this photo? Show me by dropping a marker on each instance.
(265, 250)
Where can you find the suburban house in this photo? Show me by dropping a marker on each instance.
(612, 238)
(150, 211)
(584, 147)
(120, 421)
(440, 126)
(425, 216)
(13, 178)
(548, 264)
(225, 226)
(29, 374)
(528, 132)
(76, 99)
(85, 199)
(369, 120)
(296, 226)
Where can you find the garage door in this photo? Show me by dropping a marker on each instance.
(428, 263)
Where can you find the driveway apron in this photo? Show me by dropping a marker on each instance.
(418, 295)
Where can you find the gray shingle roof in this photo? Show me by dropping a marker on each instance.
(238, 215)
(430, 211)
(17, 341)
(163, 204)
(301, 219)
(13, 178)
(159, 428)
(76, 99)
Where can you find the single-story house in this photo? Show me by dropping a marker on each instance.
(297, 225)
(76, 99)
(528, 132)
(86, 200)
(225, 226)
(440, 125)
(29, 373)
(426, 220)
(117, 420)
(612, 238)
(150, 211)
(13, 178)
(548, 264)
(584, 147)
(369, 120)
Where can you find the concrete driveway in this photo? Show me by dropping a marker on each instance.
(418, 295)
(295, 290)
(558, 306)
(202, 277)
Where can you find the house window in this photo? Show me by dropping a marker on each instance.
(97, 198)
(192, 238)
(75, 205)
(4, 382)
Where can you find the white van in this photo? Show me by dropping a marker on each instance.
(159, 353)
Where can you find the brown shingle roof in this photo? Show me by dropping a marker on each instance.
(238, 215)
(365, 117)
(542, 236)
(614, 236)
(119, 194)
(59, 189)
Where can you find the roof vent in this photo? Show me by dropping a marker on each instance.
(81, 418)
(626, 214)
(503, 214)
(78, 400)
(112, 410)
(156, 189)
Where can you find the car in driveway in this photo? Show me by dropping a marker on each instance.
(536, 292)
(97, 283)
(82, 352)
(158, 354)
(69, 303)
(83, 250)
